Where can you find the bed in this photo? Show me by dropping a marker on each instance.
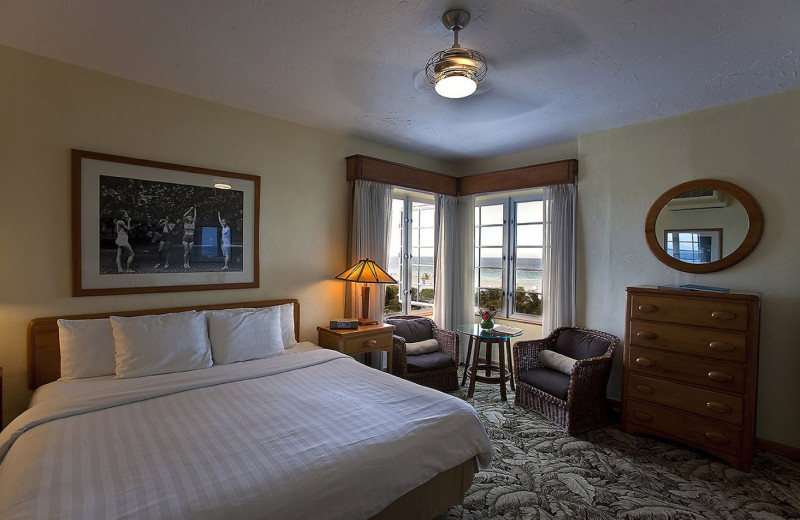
(304, 433)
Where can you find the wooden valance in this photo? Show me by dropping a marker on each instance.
(371, 169)
(378, 170)
(535, 176)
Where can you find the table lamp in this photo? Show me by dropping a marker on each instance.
(366, 271)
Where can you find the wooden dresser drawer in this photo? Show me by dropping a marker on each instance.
(707, 403)
(705, 313)
(694, 430)
(359, 345)
(688, 369)
(713, 343)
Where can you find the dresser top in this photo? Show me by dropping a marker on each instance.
(677, 291)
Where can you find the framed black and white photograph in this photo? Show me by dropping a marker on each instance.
(142, 226)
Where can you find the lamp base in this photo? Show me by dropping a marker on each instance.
(367, 321)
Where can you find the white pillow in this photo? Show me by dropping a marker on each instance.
(87, 348)
(160, 343)
(241, 336)
(425, 346)
(556, 361)
(287, 325)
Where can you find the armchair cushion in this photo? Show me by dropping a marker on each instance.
(577, 345)
(422, 347)
(413, 330)
(547, 380)
(431, 361)
(556, 361)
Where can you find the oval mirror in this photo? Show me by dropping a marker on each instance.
(703, 226)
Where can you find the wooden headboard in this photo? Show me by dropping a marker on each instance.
(44, 353)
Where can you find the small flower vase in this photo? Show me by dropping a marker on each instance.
(487, 324)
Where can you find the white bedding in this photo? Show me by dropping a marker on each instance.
(313, 435)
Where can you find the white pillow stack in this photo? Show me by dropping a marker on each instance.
(242, 336)
(87, 348)
(176, 342)
(160, 344)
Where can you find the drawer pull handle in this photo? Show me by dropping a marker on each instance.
(718, 407)
(646, 307)
(720, 376)
(642, 416)
(717, 438)
(371, 343)
(646, 334)
(723, 315)
(645, 389)
(721, 346)
(647, 362)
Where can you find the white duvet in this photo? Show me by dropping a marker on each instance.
(309, 436)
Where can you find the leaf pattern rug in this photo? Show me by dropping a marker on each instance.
(539, 472)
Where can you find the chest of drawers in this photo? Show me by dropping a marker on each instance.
(690, 369)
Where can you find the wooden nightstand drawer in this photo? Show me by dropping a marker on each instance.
(717, 344)
(714, 405)
(704, 313)
(364, 340)
(359, 345)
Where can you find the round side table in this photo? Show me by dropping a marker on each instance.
(488, 337)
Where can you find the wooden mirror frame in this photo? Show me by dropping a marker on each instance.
(754, 216)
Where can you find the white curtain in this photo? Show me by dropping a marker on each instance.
(558, 262)
(369, 238)
(455, 251)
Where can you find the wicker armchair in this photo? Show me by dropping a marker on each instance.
(576, 402)
(436, 369)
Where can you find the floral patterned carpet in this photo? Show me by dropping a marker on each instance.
(539, 472)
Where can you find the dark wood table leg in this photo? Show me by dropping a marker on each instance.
(489, 354)
(501, 353)
(474, 368)
(510, 363)
(467, 360)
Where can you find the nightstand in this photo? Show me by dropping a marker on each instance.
(364, 340)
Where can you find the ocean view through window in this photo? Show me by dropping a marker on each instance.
(411, 254)
(509, 239)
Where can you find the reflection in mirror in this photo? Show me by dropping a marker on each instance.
(701, 226)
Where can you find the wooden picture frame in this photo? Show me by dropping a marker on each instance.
(141, 226)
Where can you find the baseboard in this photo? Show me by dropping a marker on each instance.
(777, 448)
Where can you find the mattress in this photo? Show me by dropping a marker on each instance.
(312, 434)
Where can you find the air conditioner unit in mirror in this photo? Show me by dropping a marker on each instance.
(698, 199)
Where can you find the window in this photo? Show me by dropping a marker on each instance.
(411, 254)
(509, 240)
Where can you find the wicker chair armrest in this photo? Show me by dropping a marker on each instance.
(448, 342)
(590, 376)
(399, 356)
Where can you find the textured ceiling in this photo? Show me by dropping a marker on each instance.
(556, 68)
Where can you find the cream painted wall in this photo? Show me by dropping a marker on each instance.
(755, 144)
(47, 108)
(557, 152)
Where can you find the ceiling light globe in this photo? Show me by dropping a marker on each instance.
(456, 86)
